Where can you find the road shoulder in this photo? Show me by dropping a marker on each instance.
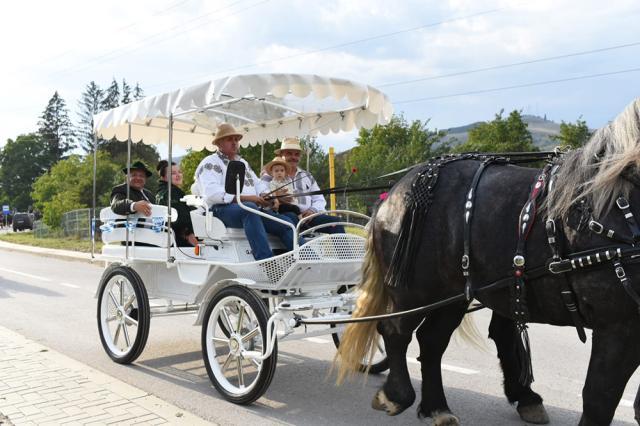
(38, 385)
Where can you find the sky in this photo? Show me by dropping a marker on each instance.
(448, 62)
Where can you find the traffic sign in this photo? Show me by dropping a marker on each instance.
(5, 208)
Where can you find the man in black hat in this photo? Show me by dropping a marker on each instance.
(139, 200)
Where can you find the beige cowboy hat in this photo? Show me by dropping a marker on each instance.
(289, 143)
(224, 130)
(278, 161)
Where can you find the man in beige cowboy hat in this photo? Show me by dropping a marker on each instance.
(209, 181)
(304, 182)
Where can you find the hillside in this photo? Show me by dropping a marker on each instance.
(542, 131)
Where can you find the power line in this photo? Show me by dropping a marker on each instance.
(518, 86)
(336, 46)
(161, 35)
(124, 27)
(496, 67)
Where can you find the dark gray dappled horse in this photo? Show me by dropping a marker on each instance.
(586, 187)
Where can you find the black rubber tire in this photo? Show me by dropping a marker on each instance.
(143, 314)
(268, 365)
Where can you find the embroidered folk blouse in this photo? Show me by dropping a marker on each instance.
(210, 177)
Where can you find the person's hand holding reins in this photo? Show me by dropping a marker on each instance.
(259, 200)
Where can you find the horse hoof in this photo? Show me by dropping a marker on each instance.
(535, 413)
(382, 403)
(445, 419)
(439, 418)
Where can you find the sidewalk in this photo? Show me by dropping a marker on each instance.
(41, 386)
(48, 252)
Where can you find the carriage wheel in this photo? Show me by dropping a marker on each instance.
(123, 314)
(244, 317)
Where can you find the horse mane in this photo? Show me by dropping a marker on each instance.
(594, 172)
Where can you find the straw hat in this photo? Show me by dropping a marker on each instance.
(224, 130)
(278, 161)
(289, 143)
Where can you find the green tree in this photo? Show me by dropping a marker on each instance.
(252, 154)
(500, 135)
(21, 162)
(188, 164)
(392, 147)
(117, 150)
(111, 97)
(138, 93)
(126, 92)
(89, 105)
(55, 129)
(69, 186)
(385, 149)
(573, 135)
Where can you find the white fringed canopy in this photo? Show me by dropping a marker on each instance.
(263, 107)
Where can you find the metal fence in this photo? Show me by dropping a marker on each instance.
(75, 223)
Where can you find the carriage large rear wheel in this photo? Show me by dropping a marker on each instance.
(236, 321)
(123, 314)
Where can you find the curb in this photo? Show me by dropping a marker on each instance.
(42, 385)
(49, 252)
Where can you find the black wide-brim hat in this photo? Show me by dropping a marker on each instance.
(138, 165)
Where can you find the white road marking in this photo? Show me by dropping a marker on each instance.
(317, 340)
(447, 367)
(11, 271)
(69, 285)
(626, 403)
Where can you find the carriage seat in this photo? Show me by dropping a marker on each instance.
(215, 229)
(150, 230)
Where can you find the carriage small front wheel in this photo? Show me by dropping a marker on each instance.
(236, 322)
(123, 314)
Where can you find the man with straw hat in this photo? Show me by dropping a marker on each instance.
(209, 181)
(304, 182)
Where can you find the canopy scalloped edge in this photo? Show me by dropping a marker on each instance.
(197, 110)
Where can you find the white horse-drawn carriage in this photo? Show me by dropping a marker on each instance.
(244, 306)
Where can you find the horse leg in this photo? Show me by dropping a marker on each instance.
(397, 393)
(503, 332)
(615, 355)
(434, 336)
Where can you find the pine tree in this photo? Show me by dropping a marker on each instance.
(55, 129)
(111, 97)
(90, 104)
(138, 93)
(126, 92)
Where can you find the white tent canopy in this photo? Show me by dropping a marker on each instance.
(263, 107)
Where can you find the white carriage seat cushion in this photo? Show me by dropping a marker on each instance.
(150, 230)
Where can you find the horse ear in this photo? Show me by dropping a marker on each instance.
(235, 170)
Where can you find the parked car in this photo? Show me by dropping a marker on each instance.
(22, 221)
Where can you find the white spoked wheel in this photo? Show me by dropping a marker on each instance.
(236, 322)
(123, 314)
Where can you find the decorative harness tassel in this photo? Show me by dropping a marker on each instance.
(518, 291)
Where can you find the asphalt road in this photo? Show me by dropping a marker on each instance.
(52, 301)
